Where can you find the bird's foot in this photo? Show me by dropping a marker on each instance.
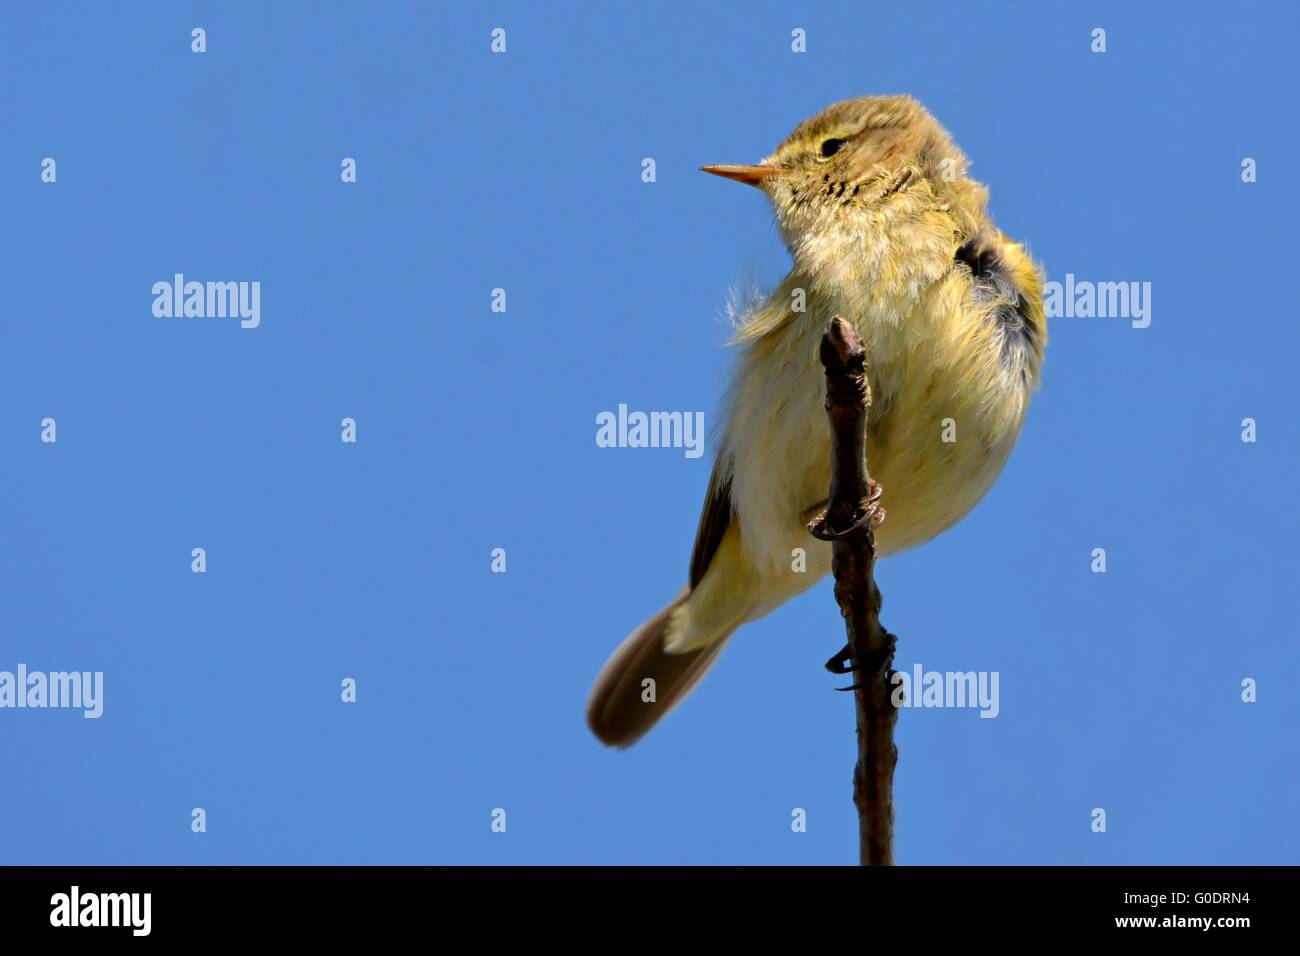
(872, 513)
(879, 663)
(841, 662)
(869, 515)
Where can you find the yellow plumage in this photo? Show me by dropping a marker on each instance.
(887, 231)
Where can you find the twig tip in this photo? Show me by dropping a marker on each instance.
(842, 346)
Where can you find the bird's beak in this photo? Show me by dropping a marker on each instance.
(749, 175)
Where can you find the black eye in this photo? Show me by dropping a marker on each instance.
(831, 147)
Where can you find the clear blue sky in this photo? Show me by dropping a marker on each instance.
(476, 431)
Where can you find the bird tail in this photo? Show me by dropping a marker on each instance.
(622, 708)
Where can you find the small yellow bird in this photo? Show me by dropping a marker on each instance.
(886, 230)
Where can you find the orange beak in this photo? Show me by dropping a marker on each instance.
(749, 175)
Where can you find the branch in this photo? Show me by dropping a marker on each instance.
(849, 522)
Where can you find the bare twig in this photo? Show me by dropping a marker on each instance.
(849, 521)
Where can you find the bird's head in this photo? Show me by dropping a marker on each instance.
(850, 162)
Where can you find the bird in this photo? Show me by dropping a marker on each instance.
(885, 228)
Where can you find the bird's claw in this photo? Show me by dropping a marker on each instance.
(869, 515)
(842, 662)
(839, 664)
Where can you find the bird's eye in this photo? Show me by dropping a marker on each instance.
(831, 147)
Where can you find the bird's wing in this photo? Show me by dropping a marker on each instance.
(714, 521)
(1007, 289)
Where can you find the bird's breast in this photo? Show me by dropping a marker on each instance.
(942, 422)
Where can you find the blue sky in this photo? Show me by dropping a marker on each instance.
(476, 431)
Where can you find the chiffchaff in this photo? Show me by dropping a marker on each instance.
(886, 230)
